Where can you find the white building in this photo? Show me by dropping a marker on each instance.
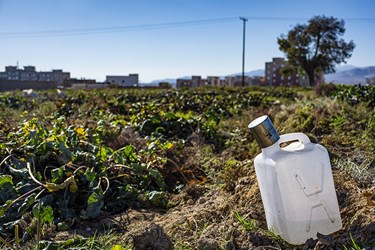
(131, 80)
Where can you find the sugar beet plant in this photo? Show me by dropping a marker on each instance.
(69, 172)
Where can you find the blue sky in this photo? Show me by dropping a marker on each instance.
(158, 52)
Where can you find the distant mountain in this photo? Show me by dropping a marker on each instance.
(345, 67)
(258, 72)
(351, 76)
(171, 81)
(346, 74)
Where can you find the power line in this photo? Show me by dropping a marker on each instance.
(359, 20)
(113, 29)
(348, 19)
(141, 27)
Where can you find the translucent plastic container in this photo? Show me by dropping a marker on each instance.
(296, 185)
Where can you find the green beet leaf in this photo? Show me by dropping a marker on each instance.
(94, 206)
(7, 189)
(157, 177)
(43, 213)
(29, 201)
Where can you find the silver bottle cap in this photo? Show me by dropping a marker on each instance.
(263, 131)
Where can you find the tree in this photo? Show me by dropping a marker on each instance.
(316, 47)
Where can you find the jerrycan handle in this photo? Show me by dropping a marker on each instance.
(294, 136)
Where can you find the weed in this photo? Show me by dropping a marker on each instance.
(108, 240)
(249, 225)
(182, 245)
(201, 229)
(354, 245)
(232, 171)
(274, 236)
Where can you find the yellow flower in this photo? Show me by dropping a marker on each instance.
(80, 132)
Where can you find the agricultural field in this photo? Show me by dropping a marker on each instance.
(171, 169)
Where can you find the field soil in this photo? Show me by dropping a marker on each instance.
(203, 218)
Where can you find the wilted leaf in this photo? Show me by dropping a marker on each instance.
(73, 187)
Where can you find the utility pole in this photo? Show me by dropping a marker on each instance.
(243, 50)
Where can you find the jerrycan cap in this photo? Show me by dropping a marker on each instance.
(263, 131)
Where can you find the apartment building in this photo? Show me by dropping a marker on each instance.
(29, 73)
(132, 80)
(233, 81)
(55, 75)
(236, 81)
(213, 81)
(274, 76)
(195, 81)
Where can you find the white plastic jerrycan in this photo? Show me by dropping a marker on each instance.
(295, 183)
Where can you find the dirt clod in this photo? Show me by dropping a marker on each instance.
(152, 238)
(229, 245)
(207, 244)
